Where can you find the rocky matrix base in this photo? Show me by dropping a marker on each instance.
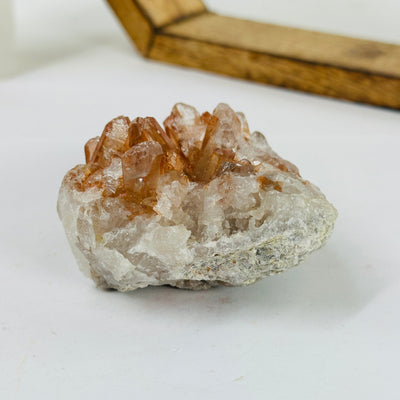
(201, 202)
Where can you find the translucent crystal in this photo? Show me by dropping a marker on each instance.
(186, 125)
(201, 203)
(138, 160)
(112, 142)
(228, 134)
(144, 129)
(90, 148)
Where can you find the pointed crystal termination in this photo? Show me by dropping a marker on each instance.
(138, 160)
(196, 203)
(138, 163)
(90, 148)
(187, 127)
(111, 143)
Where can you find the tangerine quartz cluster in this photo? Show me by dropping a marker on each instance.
(197, 203)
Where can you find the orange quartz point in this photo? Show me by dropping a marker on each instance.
(191, 147)
(90, 148)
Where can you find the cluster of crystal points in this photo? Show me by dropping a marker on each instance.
(199, 203)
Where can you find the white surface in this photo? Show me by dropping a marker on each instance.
(7, 42)
(328, 329)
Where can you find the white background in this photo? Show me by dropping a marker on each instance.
(328, 329)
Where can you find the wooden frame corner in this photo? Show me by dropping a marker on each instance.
(184, 32)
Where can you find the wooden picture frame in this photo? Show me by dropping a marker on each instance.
(184, 32)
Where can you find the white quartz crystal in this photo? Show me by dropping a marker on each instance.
(237, 227)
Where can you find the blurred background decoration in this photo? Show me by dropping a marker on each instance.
(47, 32)
(185, 32)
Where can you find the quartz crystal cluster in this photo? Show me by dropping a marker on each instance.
(199, 202)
